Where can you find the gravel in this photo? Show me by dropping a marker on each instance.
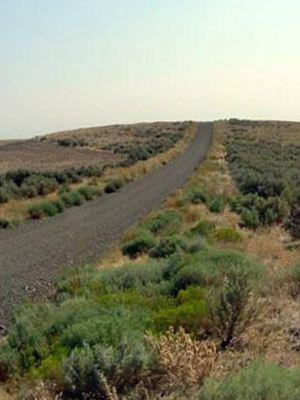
(34, 254)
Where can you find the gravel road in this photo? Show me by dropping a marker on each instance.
(36, 253)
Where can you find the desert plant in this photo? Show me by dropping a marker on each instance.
(217, 204)
(122, 367)
(186, 361)
(4, 195)
(89, 192)
(42, 209)
(232, 280)
(142, 241)
(168, 246)
(293, 276)
(258, 381)
(203, 228)
(197, 195)
(250, 219)
(162, 221)
(71, 199)
(227, 234)
(293, 221)
(190, 316)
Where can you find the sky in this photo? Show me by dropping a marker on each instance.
(67, 64)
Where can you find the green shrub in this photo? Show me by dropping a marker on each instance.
(38, 185)
(203, 228)
(168, 246)
(228, 234)
(250, 219)
(196, 195)
(217, 205)
(293, 275)
(89, 192)
(147, 278)
(231, 279)
(195, 244)
(122, 366)
(4, 195)
(258, 381)
(293, 221)
(71, 199)
(192, 293)
(269, 193)
(114, 186)
(29, 191)
(35, 211)
(43, 209)
(165, 220)
(49, 209)
(210, 267)
(142, 242)
(189, 315)
(59, 204)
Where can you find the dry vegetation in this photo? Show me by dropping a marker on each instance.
(197, 219)
(77, 148)
(80, 158)
(47, 156)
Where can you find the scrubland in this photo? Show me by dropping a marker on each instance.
(196, 302)
(42, 176)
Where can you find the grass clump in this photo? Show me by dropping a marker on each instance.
(4, 195)
(140, 242)
(258, 381)
(168, 246)
(203, 228)
(73, 198)
(227, 235)
(292, 274)
(44, 209)
(164, 221)
(217, 204)
(89, 192)
(196, 195)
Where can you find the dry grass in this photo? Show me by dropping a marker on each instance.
(268, 335)
(5, 396)
(16, 210)
(273, 334)
(186, 361)
(143, 167)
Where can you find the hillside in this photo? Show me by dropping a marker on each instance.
(198, 301)
(41, 170)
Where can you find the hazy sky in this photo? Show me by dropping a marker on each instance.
(71, 63)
